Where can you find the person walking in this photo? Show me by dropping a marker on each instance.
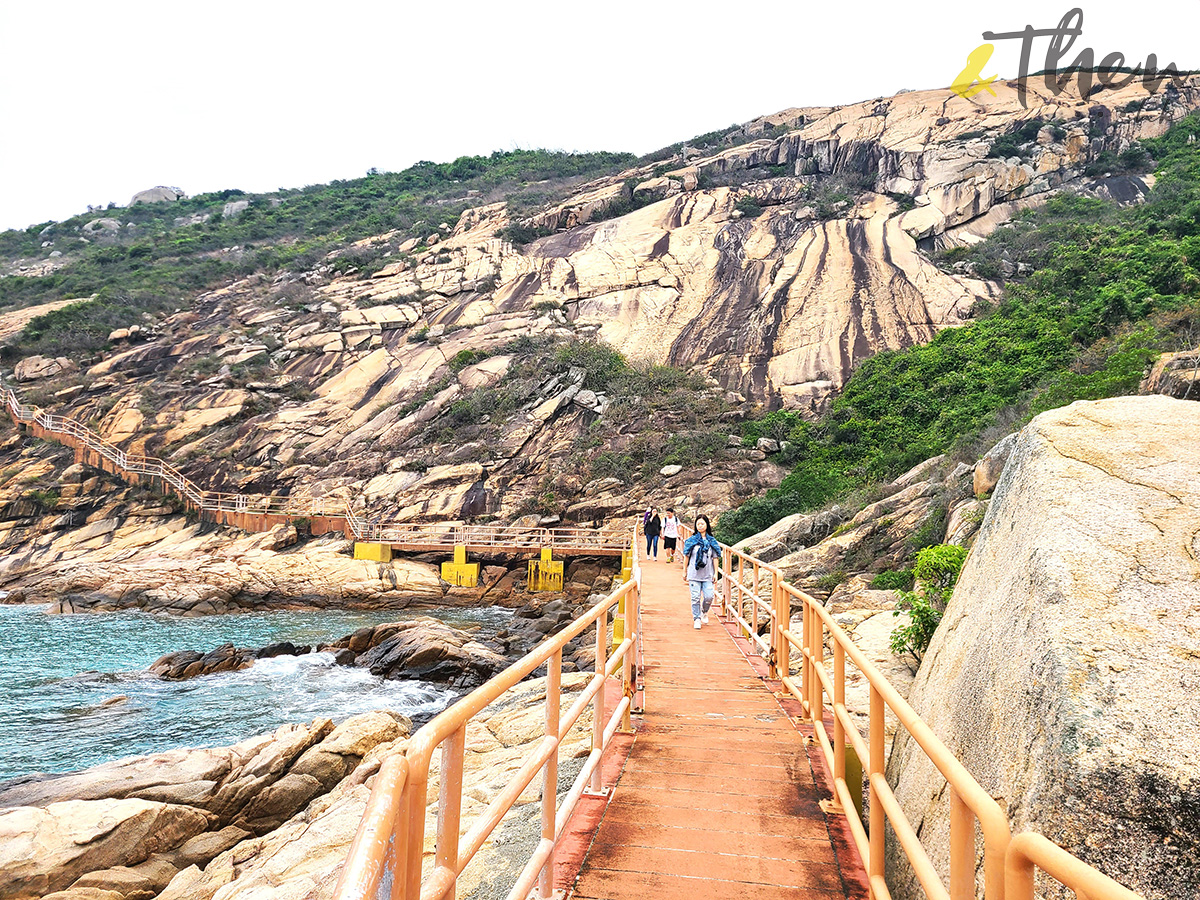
(701, 551)
(670, 534)
(652, 528)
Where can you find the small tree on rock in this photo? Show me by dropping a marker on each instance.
(936, 574)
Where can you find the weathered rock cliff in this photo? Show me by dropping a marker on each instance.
(1065, 672)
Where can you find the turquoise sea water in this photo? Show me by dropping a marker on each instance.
(62, 677)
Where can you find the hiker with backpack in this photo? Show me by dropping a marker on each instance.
(701, 551)
(670, 534)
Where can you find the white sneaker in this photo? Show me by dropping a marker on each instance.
(696, 624)
(704, 618)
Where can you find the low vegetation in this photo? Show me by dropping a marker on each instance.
(178, 249)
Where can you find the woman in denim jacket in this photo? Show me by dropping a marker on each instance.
(701, 551)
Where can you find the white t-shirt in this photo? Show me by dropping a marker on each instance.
(670, 527)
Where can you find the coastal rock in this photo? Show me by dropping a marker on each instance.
(1065, 673)
(1176, 375)
(791, 533)
(44, 849)
(301, 860)
(423, 648)
(131, 826)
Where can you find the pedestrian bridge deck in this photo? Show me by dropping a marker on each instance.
(719, 797)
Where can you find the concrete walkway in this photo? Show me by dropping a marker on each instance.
(717, 798)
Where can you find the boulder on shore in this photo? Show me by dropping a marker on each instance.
(1066, 672)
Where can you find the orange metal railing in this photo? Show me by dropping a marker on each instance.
(385, 858)
(755, 595)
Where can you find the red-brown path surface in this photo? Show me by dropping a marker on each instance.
(717, 798)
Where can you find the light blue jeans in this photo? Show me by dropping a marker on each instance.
(701, 589)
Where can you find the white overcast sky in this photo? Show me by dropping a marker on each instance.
(101, 99)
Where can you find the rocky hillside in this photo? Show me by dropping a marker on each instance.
(454, 376)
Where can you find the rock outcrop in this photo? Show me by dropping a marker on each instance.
(1176, 375)
(274, 815)
(130, 826)
(33, 368)
(1065, 672)
(158, 194)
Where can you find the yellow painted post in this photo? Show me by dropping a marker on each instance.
(619, 624)
(460, 572)
(546, 573)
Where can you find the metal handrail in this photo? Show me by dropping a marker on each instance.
(743, 600)
(384, 849)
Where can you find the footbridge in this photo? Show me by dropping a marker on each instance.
(374, 539)
(724, 763)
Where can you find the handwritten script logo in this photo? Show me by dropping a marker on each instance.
(970, 81)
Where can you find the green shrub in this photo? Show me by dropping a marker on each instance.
(893, 581)
(748, 207)
(936, 573)
(829, 581)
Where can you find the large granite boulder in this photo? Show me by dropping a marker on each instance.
(32, 368)
(1066, 672)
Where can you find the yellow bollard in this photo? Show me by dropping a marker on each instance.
(545, 574)
(619, 624)
(376, 552)
(460, 572)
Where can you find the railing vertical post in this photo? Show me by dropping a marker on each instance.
(839, 730)
(776, 641)
(805, 661)
(631, 604)
(875, 765)
(783, 652)
(450, 804)
(962, 848)
(399, 847)
(753, 597)
(818, 658)
(598, 704)
(550, 776)
(726, 566)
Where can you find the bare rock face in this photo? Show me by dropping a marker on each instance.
(1065, 673)
(46, 849)
(1176, 375)
(126, 829)
(32, 368)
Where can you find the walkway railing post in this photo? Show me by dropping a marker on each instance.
(962, 848)
(597, 783)
(550, 777)
(726, 566)
(806, 659)
(631, 603)
(839, 730)
(875, 770)
(450, 805)
(783, 647)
